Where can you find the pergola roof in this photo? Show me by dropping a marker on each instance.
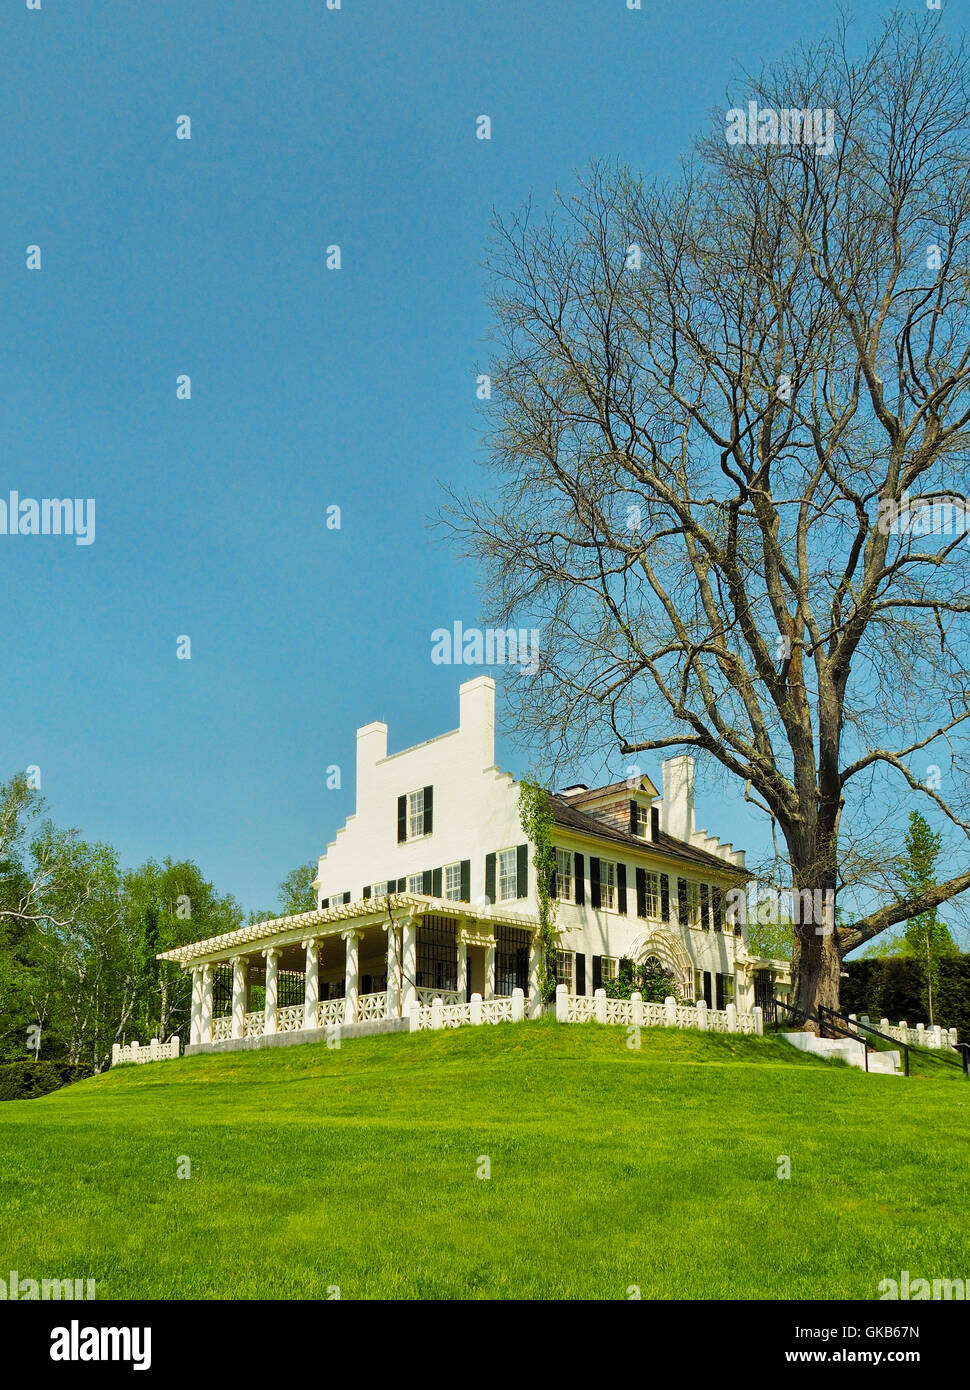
(330, 920)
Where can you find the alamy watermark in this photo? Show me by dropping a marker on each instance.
(937, 514)
(921, 1290)
(755, 125)
(48, 516)
(496, 646)
(19, 1289)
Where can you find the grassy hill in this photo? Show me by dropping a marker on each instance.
(356, 1167)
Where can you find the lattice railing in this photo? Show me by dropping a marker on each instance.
(497, 1010)
(331, 1013)
(454, 1015)
(447, 996)
(222, 1028)
(255, 1024)
(290, 1019)
(573, 1008)
(370, 1006)
(155, 1051)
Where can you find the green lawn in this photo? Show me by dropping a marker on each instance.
(610, 1167)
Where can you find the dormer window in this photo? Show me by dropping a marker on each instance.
(415, 814)
(643, 821)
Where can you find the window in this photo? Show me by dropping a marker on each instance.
(437, 963)
(379, 889)
(564, 875)
(609, 967)
(511, 959)
(694, 904)
(727, 986)
(607, 884)
(416, 814)
(451, 882)
(565, 970)
(643, 821)
(508, 879)
(653, 895)
(415, 883)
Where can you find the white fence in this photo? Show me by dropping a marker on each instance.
(580, 1008)
(935, 1037)
(506, 1008)
(154, 1051)
(636, 1012)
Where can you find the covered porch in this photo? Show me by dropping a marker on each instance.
(354, 965)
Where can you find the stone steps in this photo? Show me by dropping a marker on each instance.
(887, 1063)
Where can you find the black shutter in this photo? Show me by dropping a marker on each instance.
(655, 822)
(347, 896)
(522, 871)
(716, 904)
(705, 899)
(367, 891)
(665, 897)
(625, 964)
(426, 881)
(621, 887)
(633, 817)
(707, 989)
(597, 973)
(402, 885)
(579, 880)
(436, 883)
(402, 819)
(428, 813)
(682, 902)
(594, 881)
(580, 973)
(324, 903)
(466, 880)
(641, 892)
(719, 995)
(490, 877)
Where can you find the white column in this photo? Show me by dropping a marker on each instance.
(205, 1009)
(195, 1027)
(311, 984)
(518, 1005)
(562, 1004)
(490, 971)
(239, 970)
(599, 1002)
(271, 957)
(462, 982)
(535, 960)
(409, 933)
(351, 976)
(393, 1006)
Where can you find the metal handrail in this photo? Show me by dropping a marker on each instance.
(856, 1023)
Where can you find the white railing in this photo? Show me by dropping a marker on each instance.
(637, 1013)
(222, 1028)
(255, 1024)
(290, 1019)
(934, 1037)
(155, 1051)
(370, 1006)
(502, 1009)
(448, 996)
(331, 1013)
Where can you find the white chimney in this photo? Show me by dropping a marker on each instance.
(476, 703)
(371, 747)
(677, 807)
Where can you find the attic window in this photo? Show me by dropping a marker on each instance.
(643, 821)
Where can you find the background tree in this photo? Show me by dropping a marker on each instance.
(927, 938)
(708, 398)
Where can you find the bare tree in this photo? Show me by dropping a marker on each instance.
(714, 401)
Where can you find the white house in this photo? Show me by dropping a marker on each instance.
(428, 891)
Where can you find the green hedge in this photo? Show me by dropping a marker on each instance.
(892, 987)
(26, 1080)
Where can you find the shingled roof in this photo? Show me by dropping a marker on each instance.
(571, 818)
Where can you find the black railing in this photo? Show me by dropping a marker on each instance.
(832, 1023)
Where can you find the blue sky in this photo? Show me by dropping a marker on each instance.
(310, 387)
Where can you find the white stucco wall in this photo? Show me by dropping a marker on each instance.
(476, 814)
